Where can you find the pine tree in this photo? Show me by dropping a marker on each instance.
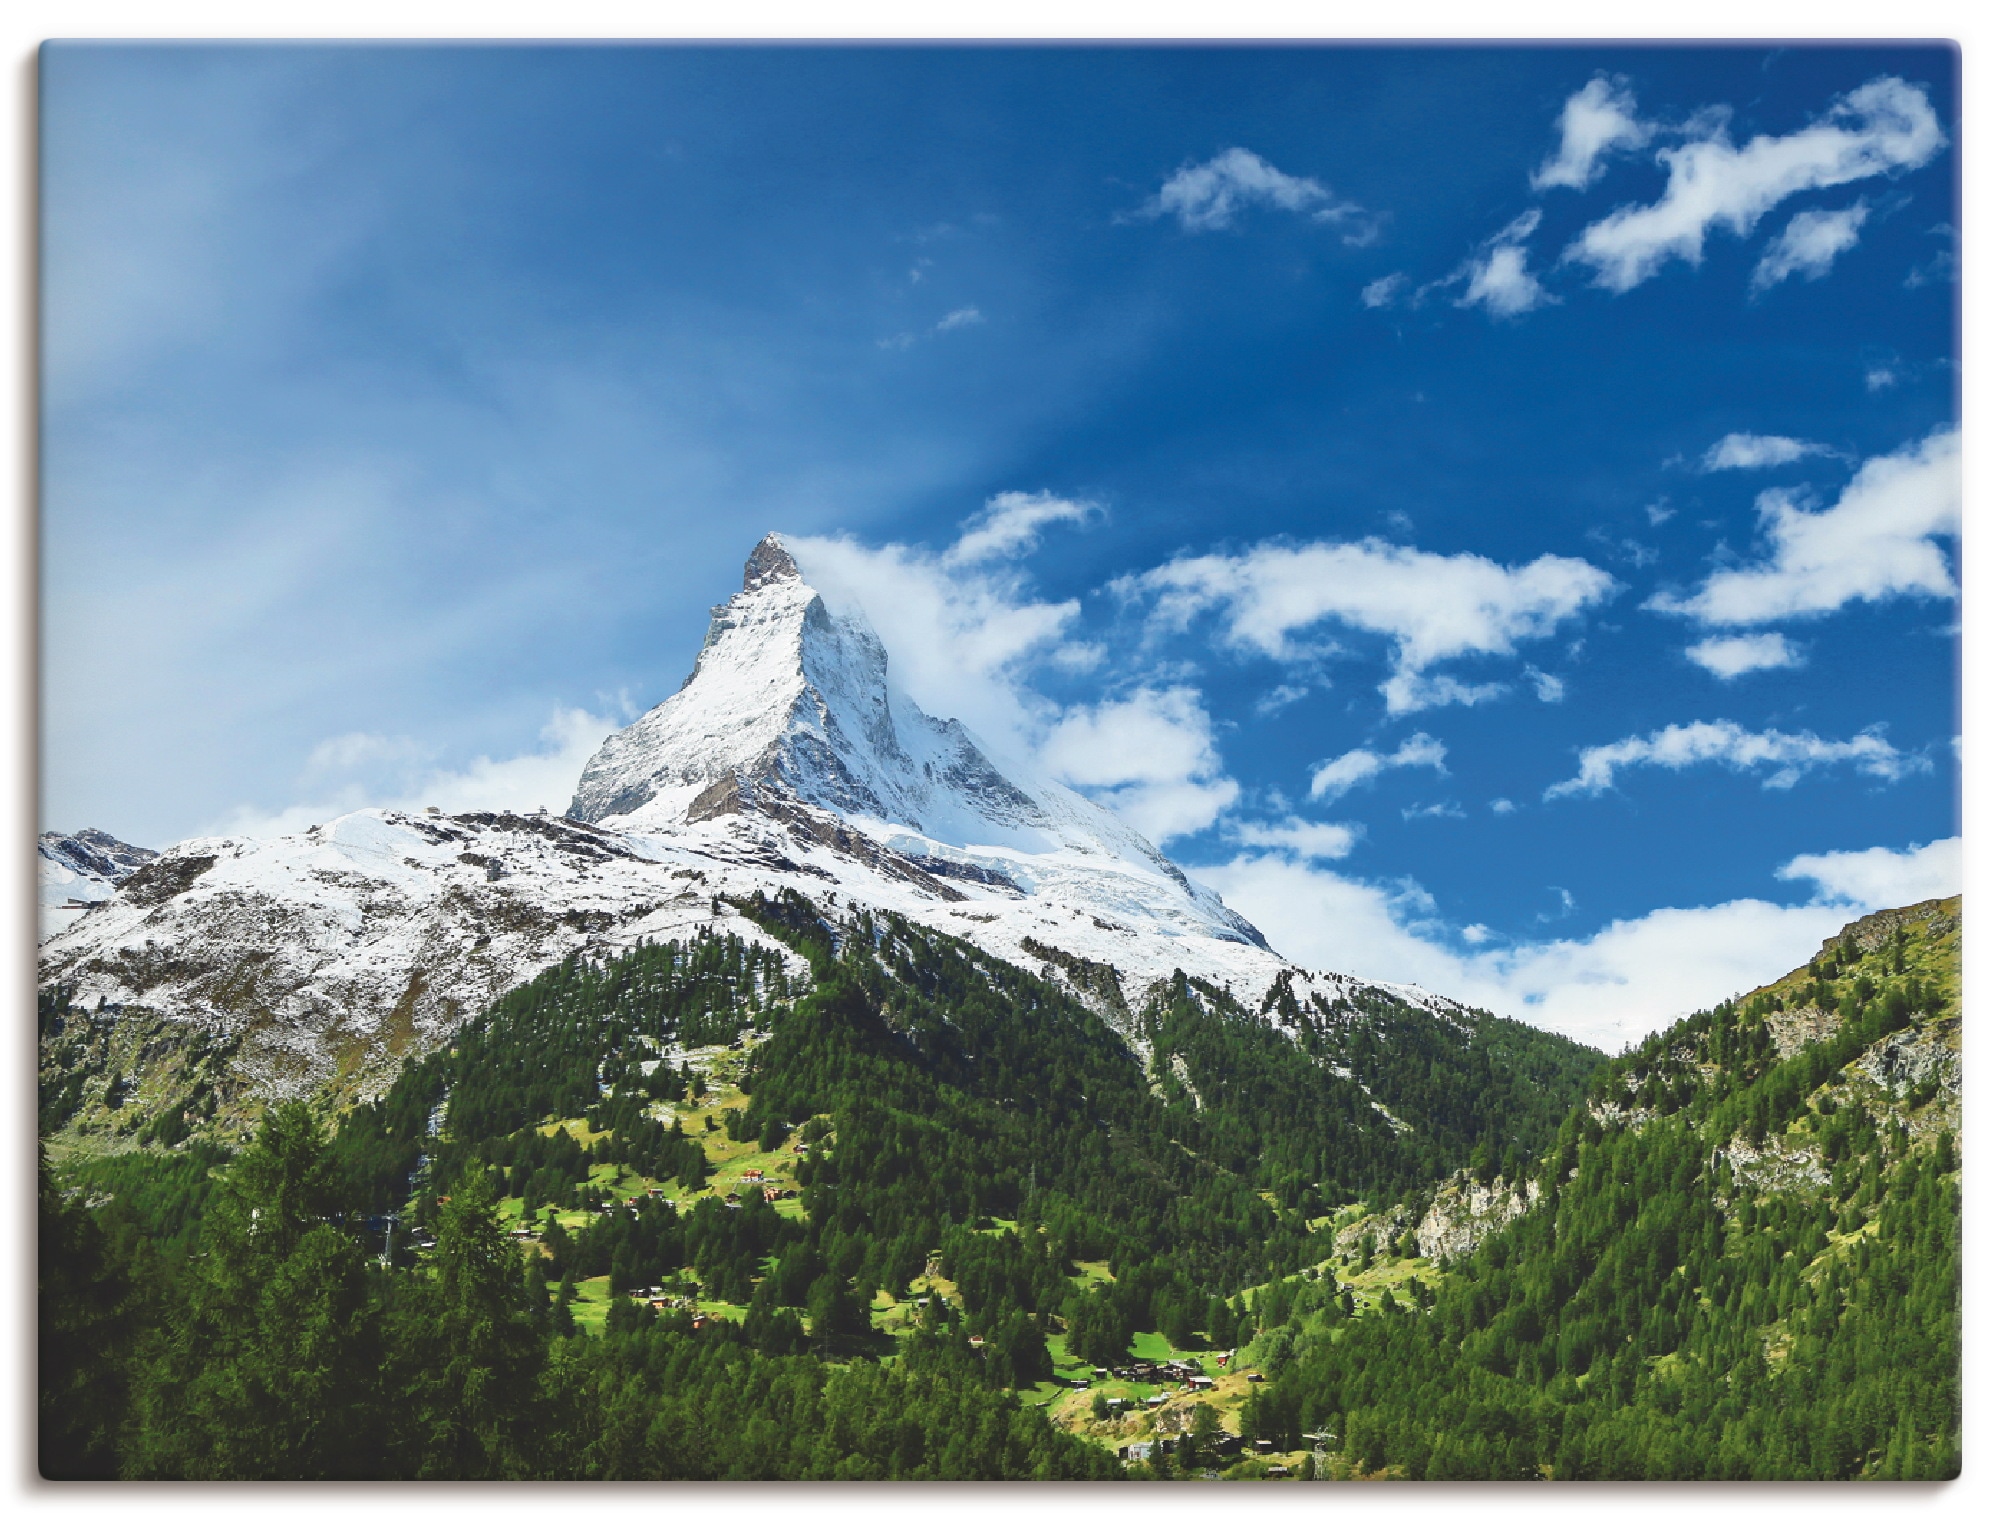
(267, 1368)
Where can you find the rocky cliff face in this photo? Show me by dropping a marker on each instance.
(1466, 1208)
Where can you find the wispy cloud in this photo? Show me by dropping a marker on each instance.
(1296, 836)
(1011, 522)
(1598, 120)
(1884, 127)
(1940, 266)
(1807, 247)
(1434, 810)
(1383, 292)
(1498, 279)
(951, 321)
(356, 770)
(1337, 777)
(1875, 542)
(1207, 197)
(1742, 450)
(1784, 757)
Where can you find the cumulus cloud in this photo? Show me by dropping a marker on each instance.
(1880, 877)
(377, 770)
(1150, 756)
(1783, 756)
(1548, 687)
(1728, 657)
(1498, 279)
(1873, 543)
(1206, 197)
(1884, 127)
(1610, 988)
(1597, 121)
(1010, 523)
(1432, 606)
(1807, 247)
(1742, 450)
(1339, 776)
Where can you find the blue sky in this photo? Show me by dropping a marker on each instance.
(1492, 512)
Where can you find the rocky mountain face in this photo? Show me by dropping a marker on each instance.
(788, 758)
(75, 870)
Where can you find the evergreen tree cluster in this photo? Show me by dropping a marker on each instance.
(1658, 1317)
(1744, 1263)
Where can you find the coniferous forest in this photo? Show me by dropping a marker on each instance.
(882, 1206)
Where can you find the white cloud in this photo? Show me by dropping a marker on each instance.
(1206, 197)
(1433, 606)
(1885, 127)
(1502, 806)
(1405, 692)
(1879, 877)
(1434, 810)
(1611, 988)
(1786, 756)
(1379, 293)
(965, 316)
(1810, 243)
(1549, 688)
(961, 630)
(957, 633)
(1010, 523)
(1339, 776)
(1309, 841)
(1151, 757)
(1728, 657)
(1873, 543)
(374, 770)
(1743, 450)
(1498, 277)
(1597, 120)
(1280, 697)
(1880, 379)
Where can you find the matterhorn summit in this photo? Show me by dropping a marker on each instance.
(790, 718)
(788, 759)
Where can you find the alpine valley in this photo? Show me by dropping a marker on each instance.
(825, 1096)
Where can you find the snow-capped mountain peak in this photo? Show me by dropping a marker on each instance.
(790, 704)
(787, 760)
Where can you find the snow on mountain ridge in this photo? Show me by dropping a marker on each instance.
(75, 870)
(787, 759)
(791, 701)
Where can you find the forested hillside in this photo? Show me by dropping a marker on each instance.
(1746, 1262)
(854, 1206)
(885, 1206)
